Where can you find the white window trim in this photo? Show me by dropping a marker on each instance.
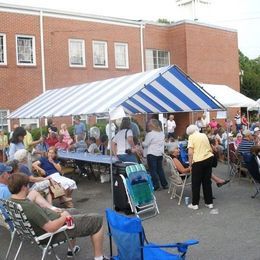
(83, 53)
(157, 50)
(1, 119)
(106, 54)
(5, 52)
(126, 55)
(29, 121)
(33, 46)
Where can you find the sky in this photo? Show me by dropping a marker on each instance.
(241, 15)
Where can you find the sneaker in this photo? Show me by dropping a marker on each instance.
(210, 206)
(76, 249)
(194, 207)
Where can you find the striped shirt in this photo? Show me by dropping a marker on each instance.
(245, 146)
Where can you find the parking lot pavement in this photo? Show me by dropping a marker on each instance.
(232, 232)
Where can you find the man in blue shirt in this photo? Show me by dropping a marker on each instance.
(79, 128)
(4, 191)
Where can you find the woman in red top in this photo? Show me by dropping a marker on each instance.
(52, 139)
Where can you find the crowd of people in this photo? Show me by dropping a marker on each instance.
(207, 143)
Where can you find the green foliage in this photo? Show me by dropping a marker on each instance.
(36, 132)
(163, 20)
(250, 79)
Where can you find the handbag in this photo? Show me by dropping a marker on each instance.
(56, 190)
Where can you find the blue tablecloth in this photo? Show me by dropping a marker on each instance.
(87, 157)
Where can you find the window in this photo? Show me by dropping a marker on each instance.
(156, 59)
(34, 123)
(121, 55)
(100, 59)
(3, 119)
(25, 50)
(77, 53)
(3, 59)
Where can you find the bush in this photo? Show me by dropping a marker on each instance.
(36, 132)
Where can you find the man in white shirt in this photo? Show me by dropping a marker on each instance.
(171, 125)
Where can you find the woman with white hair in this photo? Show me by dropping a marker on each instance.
(154, 142)
(200, 161)
(42, 183)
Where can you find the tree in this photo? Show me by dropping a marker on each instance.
(250, 76)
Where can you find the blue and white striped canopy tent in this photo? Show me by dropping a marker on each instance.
(167, 89)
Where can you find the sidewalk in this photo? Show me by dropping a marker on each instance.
(233, 233)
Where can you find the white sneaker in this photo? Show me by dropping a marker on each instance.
(194, 207)
(210, 206)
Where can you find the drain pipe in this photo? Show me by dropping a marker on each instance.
(42, 53)
(142, 44)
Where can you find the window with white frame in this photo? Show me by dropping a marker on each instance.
(3, 119)
(156, 59)
(77, 53)
(121, 55)
(25, 50)
(33, 122)
(3, 58)
(100, 58)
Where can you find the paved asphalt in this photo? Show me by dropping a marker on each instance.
(233, 233)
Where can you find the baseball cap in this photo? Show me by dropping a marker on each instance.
(5, 168)
(256, 129)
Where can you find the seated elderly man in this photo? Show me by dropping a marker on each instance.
(46, 220)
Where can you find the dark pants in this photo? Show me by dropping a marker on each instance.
(156, 170)
(201, 174)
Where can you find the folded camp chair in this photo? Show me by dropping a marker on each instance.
(129, 237)
(7, 223)
(23, 230)
(140, 191)
(184, 153)
(177, 181)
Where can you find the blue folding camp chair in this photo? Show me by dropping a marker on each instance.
(183, 153)
(129, 237)
(140, 191)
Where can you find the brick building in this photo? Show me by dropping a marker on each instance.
(44, 49)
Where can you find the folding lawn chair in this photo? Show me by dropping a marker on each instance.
(253, 169)
(129, 237)
(140, 191)
(177, 181)
(24, 231)
(7, 223)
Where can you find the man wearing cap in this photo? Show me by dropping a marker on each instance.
(4, 174)
(33, 195)
(79, 128)
(257, 135)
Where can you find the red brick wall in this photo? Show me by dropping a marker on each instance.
(18, 84)
(59, 31)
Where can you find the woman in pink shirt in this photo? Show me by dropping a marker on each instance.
(66, 136)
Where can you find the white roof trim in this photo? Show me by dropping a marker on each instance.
(68, 15)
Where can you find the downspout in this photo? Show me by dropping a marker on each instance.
(42, 56)
(42, 53)
(142, 44)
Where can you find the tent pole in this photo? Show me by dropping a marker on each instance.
(111, 164)
(228, 155)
